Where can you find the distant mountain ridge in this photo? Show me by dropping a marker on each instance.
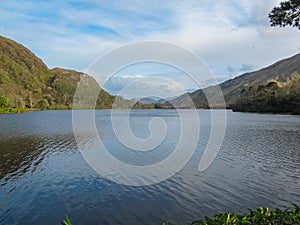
(26, 81)
(281, 71)
(151, 100)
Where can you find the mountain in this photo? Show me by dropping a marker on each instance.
(151, 100)
(280, 71)
(26, 81)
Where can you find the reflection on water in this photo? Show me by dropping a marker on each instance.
(43, 176)
(20, 155)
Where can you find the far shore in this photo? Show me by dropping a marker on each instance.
(16, 110)
(24, 110)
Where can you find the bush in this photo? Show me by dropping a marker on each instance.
(260, 216)
(13, 110)
(3, 101)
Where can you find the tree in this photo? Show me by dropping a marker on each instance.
(287, 14)
(3, 101)
(43, 104)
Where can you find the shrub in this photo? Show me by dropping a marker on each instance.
(260, 216)
(3, 101)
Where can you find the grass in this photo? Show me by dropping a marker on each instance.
(260, 216)
(13, 110)
(66, 221)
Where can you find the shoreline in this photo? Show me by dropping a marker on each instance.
(16, 110)
(25, 110)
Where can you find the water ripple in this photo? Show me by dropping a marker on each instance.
(43, 176)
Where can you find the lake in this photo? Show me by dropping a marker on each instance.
(44, 176)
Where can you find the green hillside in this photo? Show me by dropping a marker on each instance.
(26, 81)
(281, 71)
(276, 96)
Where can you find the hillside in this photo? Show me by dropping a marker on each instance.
(280, 71)
(26, 81)
(275, 97)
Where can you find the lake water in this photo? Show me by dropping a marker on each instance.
(44, 176)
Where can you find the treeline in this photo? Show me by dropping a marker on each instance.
(275, 97)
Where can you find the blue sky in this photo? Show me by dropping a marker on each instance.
(232, 37)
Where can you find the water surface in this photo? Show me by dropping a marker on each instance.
(43, 176)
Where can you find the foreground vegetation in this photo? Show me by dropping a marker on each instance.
(260, 216)
(66, 221)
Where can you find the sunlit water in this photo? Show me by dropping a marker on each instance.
(44, 177)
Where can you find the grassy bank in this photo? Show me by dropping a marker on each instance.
(13, 110)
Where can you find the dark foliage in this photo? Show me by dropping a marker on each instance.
(275, 97)
(287, 14)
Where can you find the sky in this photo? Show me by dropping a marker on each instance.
(230, 36)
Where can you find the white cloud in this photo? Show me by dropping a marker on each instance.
(131, 76)
(143, 86)
(232, 34)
